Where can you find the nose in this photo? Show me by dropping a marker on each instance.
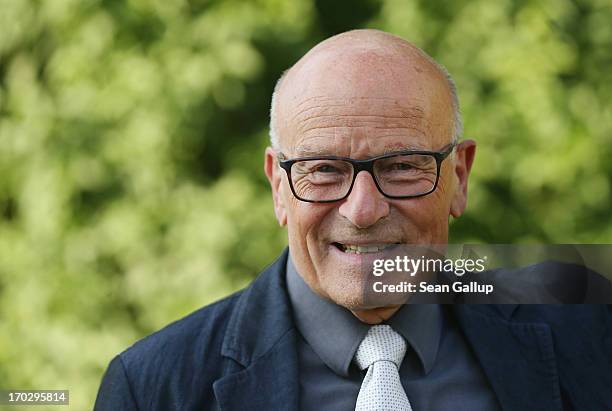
(365, 205)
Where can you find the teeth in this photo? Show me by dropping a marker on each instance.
(362, 249)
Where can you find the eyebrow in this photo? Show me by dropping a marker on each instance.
(403, 147)
(310, 151)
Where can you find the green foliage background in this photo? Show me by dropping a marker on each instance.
(132, 136)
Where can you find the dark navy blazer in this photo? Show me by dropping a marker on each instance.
(240, 354)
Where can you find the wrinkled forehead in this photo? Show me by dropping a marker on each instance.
(347, 101)
(325, 125)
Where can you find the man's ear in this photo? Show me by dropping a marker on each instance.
(464, 157)
(273, 172)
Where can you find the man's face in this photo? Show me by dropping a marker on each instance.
(361, 112)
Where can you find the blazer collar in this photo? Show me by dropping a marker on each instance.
(261, 337)
(261, 317)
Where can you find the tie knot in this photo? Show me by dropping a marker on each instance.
(381, 343)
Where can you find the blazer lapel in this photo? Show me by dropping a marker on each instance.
(518, 358)
(270, 383)
(260, 344)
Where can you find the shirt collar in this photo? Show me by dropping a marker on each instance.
(421, 326)
(334, 333)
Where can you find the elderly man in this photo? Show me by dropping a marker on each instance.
(364, 156)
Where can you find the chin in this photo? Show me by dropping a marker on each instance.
(342, 287)
(364, 311)
(352, 303)
(352, 296)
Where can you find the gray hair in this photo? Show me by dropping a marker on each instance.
(457, 120)
(274, 137)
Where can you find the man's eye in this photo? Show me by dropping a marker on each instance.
(401, 166)
(326, 168)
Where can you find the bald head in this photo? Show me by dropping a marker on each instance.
(366, 64)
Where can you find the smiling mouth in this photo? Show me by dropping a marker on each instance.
(364, 248)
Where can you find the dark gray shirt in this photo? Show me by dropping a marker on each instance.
(439, 371)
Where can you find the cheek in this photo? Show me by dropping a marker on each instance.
(425, 219)
(305, 229)
(439, 201)
(304, 220)
(420, 211)
(446, 184)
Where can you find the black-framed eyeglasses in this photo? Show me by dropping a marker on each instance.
(326, 179)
